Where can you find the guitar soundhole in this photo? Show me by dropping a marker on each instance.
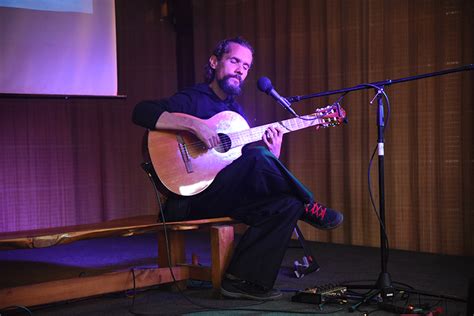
(225, 145)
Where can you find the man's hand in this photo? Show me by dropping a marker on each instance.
(206, 134)
(185, 122)
(273, 138)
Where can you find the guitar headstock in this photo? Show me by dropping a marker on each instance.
(331, 115)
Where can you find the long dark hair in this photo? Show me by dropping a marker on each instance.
(222, 48)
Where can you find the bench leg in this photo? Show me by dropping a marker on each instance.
(176, 247)
(222, 239)
(177, 251)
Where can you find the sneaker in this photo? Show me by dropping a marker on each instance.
(244, 289)
(322, 217)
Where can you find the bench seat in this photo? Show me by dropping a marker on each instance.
(40, 238)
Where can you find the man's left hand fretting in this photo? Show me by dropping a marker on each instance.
(273, 138)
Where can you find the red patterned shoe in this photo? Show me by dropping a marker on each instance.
(322, 217)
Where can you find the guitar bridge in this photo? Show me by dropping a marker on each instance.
(183, 149)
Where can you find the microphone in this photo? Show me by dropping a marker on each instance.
(265, 85)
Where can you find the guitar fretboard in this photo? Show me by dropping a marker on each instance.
(290, 125)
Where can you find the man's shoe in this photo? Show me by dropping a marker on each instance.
(244, 289)
(322, 217)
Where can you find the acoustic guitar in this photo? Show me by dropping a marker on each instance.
(185, 166)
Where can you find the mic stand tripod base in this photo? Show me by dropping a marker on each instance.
(383, 289)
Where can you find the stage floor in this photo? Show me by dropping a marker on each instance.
(340, 264)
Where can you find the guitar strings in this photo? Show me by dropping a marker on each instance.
(227, 142)
(198, 146)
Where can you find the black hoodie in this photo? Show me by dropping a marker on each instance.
(199, 101)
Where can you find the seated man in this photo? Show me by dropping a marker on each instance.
(256, 188)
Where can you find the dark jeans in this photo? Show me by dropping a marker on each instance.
(259, 191)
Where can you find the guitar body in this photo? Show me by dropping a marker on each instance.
(184, 165)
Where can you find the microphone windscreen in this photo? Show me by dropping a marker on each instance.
(264, 84)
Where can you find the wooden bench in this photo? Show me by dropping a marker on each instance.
(221, 236)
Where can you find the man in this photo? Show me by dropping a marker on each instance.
(256, 188)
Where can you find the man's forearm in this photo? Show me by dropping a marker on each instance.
(176, 121)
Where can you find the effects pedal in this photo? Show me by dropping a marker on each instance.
(321, 295)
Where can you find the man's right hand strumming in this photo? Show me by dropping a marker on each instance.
(185, 122)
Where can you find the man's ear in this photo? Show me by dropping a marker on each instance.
(213, 61)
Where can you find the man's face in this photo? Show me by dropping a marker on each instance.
(233, 68)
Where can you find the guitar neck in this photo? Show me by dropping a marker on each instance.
(290, 125)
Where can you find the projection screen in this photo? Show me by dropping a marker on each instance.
(58, 47)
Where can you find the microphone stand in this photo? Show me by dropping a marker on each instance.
(383, 286)
(380, 83)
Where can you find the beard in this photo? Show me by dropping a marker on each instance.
(230, 89)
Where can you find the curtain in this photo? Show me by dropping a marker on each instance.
(313, 46)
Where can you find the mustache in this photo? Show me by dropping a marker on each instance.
(233, 76)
